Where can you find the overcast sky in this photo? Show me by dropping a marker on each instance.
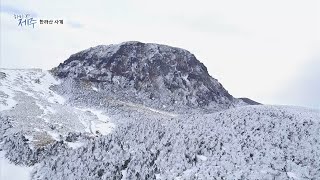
(268, 51)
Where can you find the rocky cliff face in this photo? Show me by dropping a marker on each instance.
(159, 72)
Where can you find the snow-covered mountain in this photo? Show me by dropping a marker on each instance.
(146, 111)
(160, 73)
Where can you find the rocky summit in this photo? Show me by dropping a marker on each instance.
(163, 73)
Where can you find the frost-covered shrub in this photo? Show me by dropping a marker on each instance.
(19, 151)
(18, 148)
(243, 143)
(4, 125)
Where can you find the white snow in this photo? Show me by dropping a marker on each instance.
(141, 107)
(33, 82)
(9, 102)
(293, 175)
(54, 135)
(124, 174)
(99, 124)
(202, 158)
(158, 176)
(75, 145)
(94, 88)
(9, 171)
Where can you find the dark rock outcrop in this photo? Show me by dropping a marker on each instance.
(168, 74)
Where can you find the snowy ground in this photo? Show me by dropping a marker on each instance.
(42, 115)
(26, 96)
(9, 171)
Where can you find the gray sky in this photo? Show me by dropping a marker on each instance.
(265, 50)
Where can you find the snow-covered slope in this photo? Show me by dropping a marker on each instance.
(26, 97)
(34, 120)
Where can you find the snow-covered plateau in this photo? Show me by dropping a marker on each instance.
(75, 122)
